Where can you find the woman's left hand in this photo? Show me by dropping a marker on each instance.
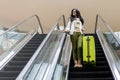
(83, 29)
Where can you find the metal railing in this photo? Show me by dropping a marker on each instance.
(62, 69)
(23, 27)
(46, 56)
(110, 44)
(17, 36)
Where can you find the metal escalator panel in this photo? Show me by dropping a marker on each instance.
(17, 63)
(15, 37)
(62, 67)
(42, 64)
(100, 72)
(110, 44)
(46, 58)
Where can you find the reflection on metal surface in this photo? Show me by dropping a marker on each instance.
(50, 47)
(110, 44)
(17, 36)
(64, 60)
(47, 54)
(48, 51)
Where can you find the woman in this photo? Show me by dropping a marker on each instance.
(75, 29)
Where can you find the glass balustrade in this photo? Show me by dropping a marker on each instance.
(43, 65)
(61, 70)
(10, 38)
(108, 37)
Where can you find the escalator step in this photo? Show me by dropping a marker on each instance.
(100, 54)
(98, 45)
(21, 58)
(99, 72)
(28, 48)
(13, 68)
(90, 74)
(108, 78)
(99, 51)
(100, 59)
(29, 45)
(18, 62)
(98, 48)
(38, 41)
(27, 51)
(97, 68)
(24, 55)
(9, 73)
(7, 78)
(101, 63)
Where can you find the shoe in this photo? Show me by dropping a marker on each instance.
(75, 65)
(79, 65)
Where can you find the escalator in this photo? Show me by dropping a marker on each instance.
(53, 61)
(17, 63)
(100, 72)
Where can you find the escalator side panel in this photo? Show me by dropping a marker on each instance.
(100, 72)
(15, 65)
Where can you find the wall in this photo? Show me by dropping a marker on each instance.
(13, 11)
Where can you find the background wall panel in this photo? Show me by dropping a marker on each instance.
(13, 11)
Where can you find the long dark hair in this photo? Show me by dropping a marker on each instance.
(78, 16)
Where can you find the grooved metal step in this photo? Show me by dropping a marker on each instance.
(100, 72)
(17, 63)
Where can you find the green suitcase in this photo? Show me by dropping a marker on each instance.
(89, 56)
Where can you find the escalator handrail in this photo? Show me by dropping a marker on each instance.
(15, 26)
(106, 25)
(28, 65)
(20, 45)
(106, 49)
(57, 23)
(49, 75)
(50, 70)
